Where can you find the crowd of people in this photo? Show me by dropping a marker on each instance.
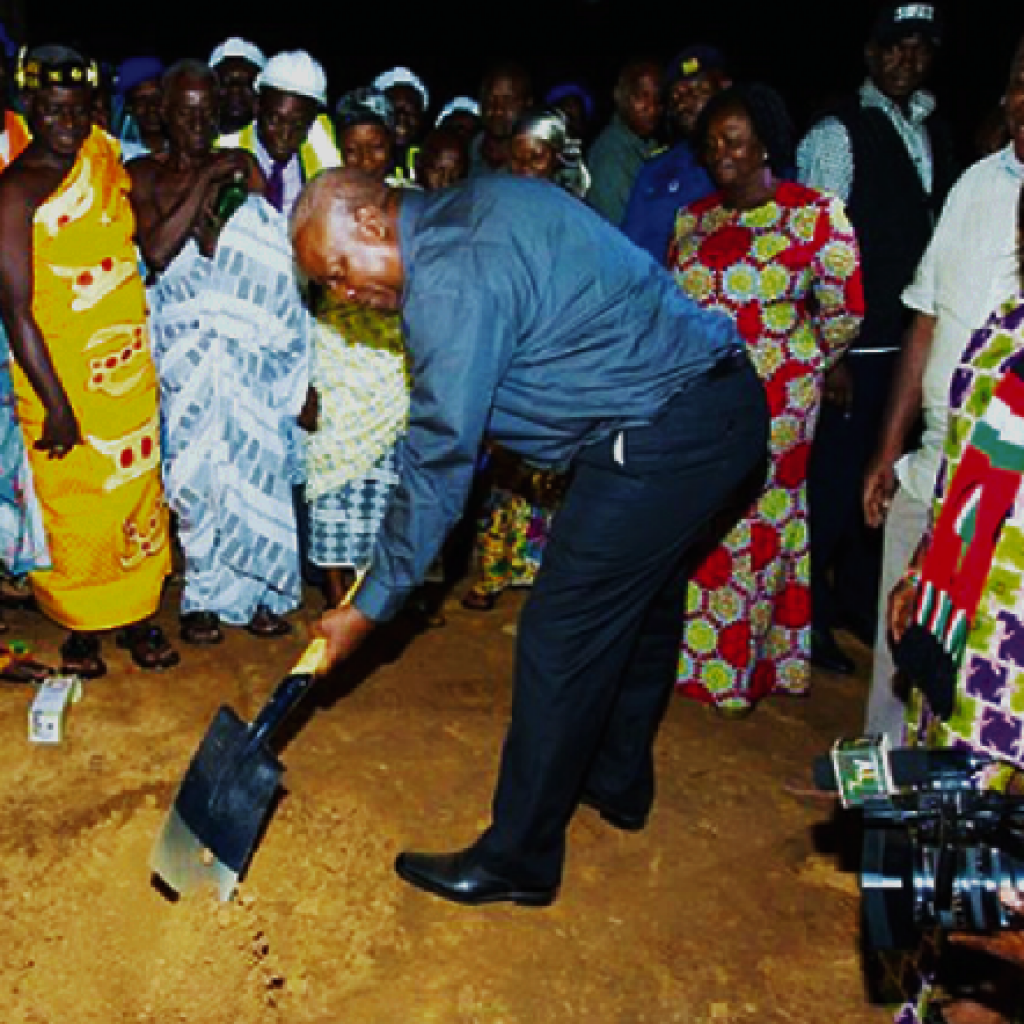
(272, 339)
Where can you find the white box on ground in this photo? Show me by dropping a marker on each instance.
(49, 708)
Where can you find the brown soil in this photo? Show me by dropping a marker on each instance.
(728, 908)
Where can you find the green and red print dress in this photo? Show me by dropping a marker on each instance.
(788, 273)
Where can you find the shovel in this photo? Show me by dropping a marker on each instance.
(225, 797)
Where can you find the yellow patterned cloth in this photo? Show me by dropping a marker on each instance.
(103, 508)
(361, 378)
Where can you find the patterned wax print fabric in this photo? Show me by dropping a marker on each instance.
(515, 521)
(510, 542)
(102, 506)
(788, 273)
(988, 709)
(361, 378)
(988, 712)
(231, 343)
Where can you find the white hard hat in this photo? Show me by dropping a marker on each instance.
(236, 47)
(295, 71)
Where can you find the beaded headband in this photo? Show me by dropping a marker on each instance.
(33, 74)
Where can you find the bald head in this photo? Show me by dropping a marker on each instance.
(335, 195)
(344, 230)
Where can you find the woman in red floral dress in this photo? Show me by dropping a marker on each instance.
(781, 259)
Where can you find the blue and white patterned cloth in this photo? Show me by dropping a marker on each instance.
(343, 524)
(22, 539)
(231, 345)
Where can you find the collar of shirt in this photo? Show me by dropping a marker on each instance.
(293, 176)
(921, 105)
(1011, 163)
(628, 138)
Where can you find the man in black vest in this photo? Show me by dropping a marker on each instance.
(885, 153)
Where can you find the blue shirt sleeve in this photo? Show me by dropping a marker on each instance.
(460, 342)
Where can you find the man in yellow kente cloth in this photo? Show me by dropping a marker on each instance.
(73, 306)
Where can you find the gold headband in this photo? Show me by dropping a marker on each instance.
(33, 74)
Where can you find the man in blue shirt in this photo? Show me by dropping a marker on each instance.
(673, 178)
(531, 319)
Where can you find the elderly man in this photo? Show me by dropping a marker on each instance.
(237, 63)
(290, 137)
(230, 338)
(675, 177)
(529, 318)
(627, 140)
(888, 155)
(74, 310)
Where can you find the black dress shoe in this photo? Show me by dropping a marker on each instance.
(461, 878)
(622, 820)
(827, 654)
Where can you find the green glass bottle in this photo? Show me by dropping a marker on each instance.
(231, 196)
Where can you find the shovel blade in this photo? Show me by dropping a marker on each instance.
(219, 812)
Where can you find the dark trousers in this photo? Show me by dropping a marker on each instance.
(598, 640)
(846, 555)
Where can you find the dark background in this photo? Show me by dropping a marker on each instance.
(808, 51)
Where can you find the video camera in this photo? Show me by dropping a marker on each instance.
(939, 851)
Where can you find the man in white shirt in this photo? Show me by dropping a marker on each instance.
(968, 269)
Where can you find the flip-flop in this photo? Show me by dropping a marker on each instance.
(267, 624)
(148, 647)
(201, 628)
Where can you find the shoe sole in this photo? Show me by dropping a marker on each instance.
(522, 898)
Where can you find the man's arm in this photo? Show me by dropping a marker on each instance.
(461, 343)
(824, 159)
(459, 350)
(904, 406)
(60, 429)
(162, 234)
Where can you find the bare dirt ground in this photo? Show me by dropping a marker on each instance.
(728, 908)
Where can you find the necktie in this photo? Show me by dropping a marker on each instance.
(275, 185)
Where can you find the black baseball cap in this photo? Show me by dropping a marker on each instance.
(899, 20)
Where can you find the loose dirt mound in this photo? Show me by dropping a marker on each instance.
(87, 938)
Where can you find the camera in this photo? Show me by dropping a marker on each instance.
(939, 850)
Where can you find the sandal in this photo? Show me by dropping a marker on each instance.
(201, 628)
(266, 624)
(477, 602)
(17, 667)
(148, 647)
(80, 656)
